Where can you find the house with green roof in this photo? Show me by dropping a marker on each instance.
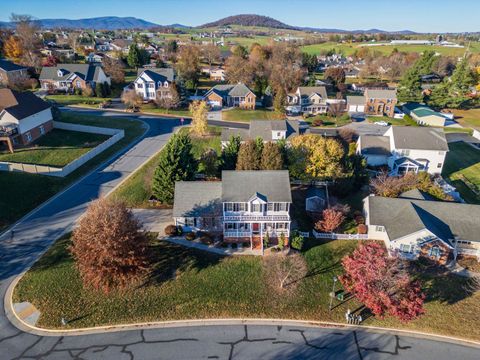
(424, 115)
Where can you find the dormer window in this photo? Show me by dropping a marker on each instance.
(165, 84)
(159, 84)
(59, 73)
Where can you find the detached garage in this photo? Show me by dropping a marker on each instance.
(356, 104)
(423, 115)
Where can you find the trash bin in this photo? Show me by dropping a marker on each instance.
(340, 295)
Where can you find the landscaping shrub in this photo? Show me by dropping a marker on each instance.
(317, 122)
(190, 236)
(297, 241)
(171, 230)
(206, 240)
(234, 245)
(362, 229)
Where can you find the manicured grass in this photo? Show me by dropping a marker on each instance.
(76, 99)
(27, 191)
(406, 121)
(329, 121)
(137, 190)
(151, 108)
(463, 161)
(248, 115)
(468, 118)
(190, 284)
(57, 148)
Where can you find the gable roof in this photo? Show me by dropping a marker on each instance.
(239, 186)
(197, 198)
(263, 129)
(380, 93)
(21, 104)
(356, 100)
(158, 74)
(375, 145)
(10, 66)
(87, 72)
(402, 217)
(419, 138)
(237, 90)
(310, 90)
(422, 110)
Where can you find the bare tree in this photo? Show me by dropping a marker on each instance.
(114, 68)
(25, 31)
(131, 99)
(211, 53)
(285, 271)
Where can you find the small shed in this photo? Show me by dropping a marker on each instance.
(317, 199)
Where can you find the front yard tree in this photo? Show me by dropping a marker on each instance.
(248, 157)
(172, 101)
(114, 68)
(188, 65)
(134, 58)
(109, 249)
(330, 221)
(199, 111)
(230, 153)
(285, 271)
(271, 157)
(176, 164)
(382, 283)
(131, 99)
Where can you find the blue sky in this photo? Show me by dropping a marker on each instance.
(417, 15)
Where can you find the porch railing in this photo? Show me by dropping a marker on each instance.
(234, 233)
(339, 236)
(256, 218)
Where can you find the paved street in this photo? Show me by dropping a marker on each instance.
(36, 232)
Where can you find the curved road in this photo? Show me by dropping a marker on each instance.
(38, 230)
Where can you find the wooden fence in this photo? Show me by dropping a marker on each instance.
(333, 236)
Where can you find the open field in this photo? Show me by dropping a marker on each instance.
(463, 164)
(184, 284)
(468, 118)
(57, 148)
(248, 115)
(349, 48)
(27, 191)
(137, 190)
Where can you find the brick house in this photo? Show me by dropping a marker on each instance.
(10, 72)
(238, 95)
(24, 117)
(244, 207)
(68, 77)
(380, 102)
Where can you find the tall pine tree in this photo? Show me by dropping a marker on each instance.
(176, 164)
(248, 156)
(134, 58)
(230, 153)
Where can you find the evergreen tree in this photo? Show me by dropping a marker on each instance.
(134, 57)
(248, 156)
(410, 89)
(230, 153)
(271, 157)
(176, 164)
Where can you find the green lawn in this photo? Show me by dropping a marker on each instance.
(27, 191)
(468, 118)
(137, 190)
(406, 121)
(57, 148)
(248, 115)
(190, 284)
(151, 108)
(463, 165)
(76, 99)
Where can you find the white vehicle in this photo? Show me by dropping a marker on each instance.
(381, 123)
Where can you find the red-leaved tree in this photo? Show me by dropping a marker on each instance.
(331, 220)
(109, 249)
(381, 283)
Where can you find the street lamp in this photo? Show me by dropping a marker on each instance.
(332, 294)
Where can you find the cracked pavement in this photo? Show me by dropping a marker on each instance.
(36, 232)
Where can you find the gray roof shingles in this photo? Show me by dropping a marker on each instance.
(21, 104)
(263, 129)
(86, 72)
(10, 66)
(375, 145)
(197, 198)
(419, 138)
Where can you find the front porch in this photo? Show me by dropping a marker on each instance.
(256, 234)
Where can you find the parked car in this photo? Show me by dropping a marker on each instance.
(381, 123)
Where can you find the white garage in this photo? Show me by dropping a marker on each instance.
(356, 104)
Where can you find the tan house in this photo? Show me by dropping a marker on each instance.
(24, 117)
(380, 102)
(11, 73)
(231, 96)
(68, 77)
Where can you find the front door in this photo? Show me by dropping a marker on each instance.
(381, 108)
(255, 228)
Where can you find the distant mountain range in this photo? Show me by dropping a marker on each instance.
(98, 23)
(116, 23)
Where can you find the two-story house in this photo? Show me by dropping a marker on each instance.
(413, 225)
(268, 130)
(380, 102)
(238, 95)
(68, 77)
(11, 73)
(245, 207)
(406, 148)
(152, 83)
(308, 100)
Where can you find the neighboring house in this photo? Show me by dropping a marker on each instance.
(405, 148)
(152, 83)
(308, 100)
(415, 226)
(238, 95)
(380, 102)
(10, 72)
(356, 104)
(68, 77)
(122, 45)
(244, 207)
(95, 58)
(217, 75)
(423, 115)
(268, 130)
(24, 117)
